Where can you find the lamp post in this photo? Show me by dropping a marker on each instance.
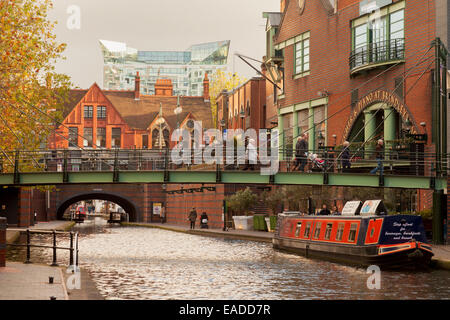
(160, 122)
(178, 111)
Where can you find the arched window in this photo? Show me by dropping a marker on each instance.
(155, 138)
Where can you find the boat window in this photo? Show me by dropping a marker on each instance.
(307, 230)
(317, 230)
(352, 233)
(328, 231)
(340, 232)
(297, 231)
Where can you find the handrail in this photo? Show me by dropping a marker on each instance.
(377, 52)
(72, 249)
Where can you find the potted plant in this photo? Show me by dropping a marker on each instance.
(241, 202)
(273, 201)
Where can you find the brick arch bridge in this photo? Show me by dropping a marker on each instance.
(126, 204)
(136, 199)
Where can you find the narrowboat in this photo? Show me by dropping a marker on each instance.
(363, 235)
(80, 214)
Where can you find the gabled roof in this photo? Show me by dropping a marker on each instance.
(139, 114)
(75, 96)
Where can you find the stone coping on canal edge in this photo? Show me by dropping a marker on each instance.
(12, 234)
(260, 236)
(441, 259)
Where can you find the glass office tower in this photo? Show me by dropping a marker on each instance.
(186, 69)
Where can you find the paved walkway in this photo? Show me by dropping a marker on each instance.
(19, 281)
(231, 233)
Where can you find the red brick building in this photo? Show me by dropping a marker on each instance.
(328, 69)
(97, 118)
(244, 107)
(356, 70)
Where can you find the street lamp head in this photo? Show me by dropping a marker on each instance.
(178, 110)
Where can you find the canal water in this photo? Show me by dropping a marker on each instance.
(142, 263)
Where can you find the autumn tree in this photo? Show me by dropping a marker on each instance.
(222, 81)
(31, 92)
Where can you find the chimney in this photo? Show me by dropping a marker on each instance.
(137, 87)
(206, 88)
(164, 87)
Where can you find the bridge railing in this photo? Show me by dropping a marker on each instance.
(325, 159)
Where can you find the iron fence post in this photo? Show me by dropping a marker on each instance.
(54, 264)
(116, 166)
(28, 260)
(65, 173)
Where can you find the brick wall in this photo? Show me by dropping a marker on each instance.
(179, 205)
(2, 241)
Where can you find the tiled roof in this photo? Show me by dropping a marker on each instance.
(139, 114)
(75, 96)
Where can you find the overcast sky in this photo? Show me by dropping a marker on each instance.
(158, 25)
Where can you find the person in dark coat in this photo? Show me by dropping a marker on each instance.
(204, 220)
(192, 217)
(346, 157)
(301, 148)
(379, 156)
(325, 211)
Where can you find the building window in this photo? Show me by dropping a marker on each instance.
(145, 141)
(303, 120)
(302, 57)
(87, 135)
(320, 127)
(378, 39)
(73, 137)
(101, 112)
(88, 112)
(101, 137)
(115, 137)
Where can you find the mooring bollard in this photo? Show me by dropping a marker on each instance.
(2, 242)
(28, 247)
(54, 264)
(52, 298)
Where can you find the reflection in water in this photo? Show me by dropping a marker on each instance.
(141, 263)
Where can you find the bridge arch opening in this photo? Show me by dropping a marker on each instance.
(126, 204)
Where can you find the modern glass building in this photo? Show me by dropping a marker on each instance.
(186, 69)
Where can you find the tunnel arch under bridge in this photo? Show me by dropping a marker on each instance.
(125, 203)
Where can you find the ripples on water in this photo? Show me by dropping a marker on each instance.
(141, 263)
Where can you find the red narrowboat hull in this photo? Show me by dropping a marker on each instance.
(373, 241)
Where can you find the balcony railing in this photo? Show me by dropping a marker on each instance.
(377, 53)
